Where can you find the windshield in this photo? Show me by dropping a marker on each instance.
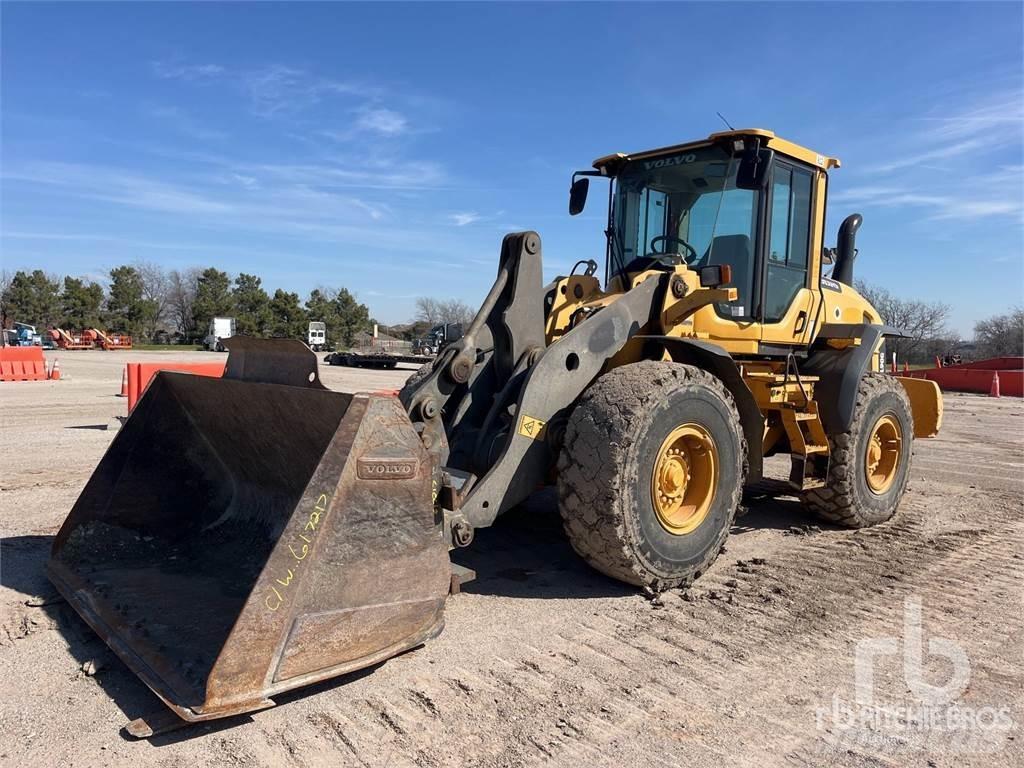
(686, 204)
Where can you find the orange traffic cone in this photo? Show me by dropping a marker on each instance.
(994, 391)
(124, 383)
(906, 368)
(55, 371)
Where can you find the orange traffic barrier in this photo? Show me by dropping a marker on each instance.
(55, 371)
(22, 364)
(979, 376)
(140, 374)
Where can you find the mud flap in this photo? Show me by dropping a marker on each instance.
(253, 534)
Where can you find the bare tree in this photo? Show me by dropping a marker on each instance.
(427, 310)
(181, 295)
(922, 321)
(156, 288)
(437, 312)
(1001, 335)
(5, 300)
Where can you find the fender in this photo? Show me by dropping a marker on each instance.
(716, 361)
(839, 371)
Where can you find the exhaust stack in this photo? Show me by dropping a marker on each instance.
(846, 250)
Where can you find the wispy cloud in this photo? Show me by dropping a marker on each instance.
(991, 123)
(273, 90)
(183, 122)
(1000, 111)
(174, 70)
(281, 90)
(408, 174)
(116, 186)
(992, 203)
(383, 121)
(938, 153)
(953, 166)
(297, 210)
(464, 218)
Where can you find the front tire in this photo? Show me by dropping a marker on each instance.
(870, 462)
(412, 383)
(650, 474)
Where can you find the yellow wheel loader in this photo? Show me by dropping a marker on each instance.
(253, 534)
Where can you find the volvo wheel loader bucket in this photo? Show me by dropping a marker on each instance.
(252, 534)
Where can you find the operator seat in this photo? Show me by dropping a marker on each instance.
(735, 251)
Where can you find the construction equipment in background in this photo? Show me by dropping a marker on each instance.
(316, 336)
(108, 341)
(220, 328)
(70, 339)
(22, 335)
(252, 534)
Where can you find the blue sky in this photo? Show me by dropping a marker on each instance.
(388, 147)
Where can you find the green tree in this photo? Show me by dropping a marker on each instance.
(80, 303)
(127, 309)
(252, 306)
(288, 317)
(213, 298)
(342, 313)
(32, 298)
(350, 316)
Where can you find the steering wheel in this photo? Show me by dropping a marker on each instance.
(675, 242)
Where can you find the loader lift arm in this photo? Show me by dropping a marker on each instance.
(496, 458)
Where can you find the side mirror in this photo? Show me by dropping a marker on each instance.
(578, 195)
(754, 165)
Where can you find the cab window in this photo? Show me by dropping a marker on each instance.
(687, 207)
(789, 238)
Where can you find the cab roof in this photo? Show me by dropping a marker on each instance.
(608, 164)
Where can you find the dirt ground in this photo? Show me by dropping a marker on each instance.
(545, 661)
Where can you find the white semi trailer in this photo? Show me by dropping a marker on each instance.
(317, 336)
(220, 328)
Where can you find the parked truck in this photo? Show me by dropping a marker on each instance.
(23, 335)
(437, 338)
(317, 336)
(220, 328)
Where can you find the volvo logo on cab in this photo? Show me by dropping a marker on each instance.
(667, 162)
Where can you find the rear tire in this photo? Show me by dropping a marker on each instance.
(848, 498)
(614, 441)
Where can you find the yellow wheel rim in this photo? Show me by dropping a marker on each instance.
(882, 462)
(684, 478)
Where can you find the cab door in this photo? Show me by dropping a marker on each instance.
(789, 294)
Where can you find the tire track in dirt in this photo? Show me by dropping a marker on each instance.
(554, 665)
(631, 667)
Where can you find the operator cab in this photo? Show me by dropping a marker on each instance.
(742, 199)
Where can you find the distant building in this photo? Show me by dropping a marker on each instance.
(364, 339)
